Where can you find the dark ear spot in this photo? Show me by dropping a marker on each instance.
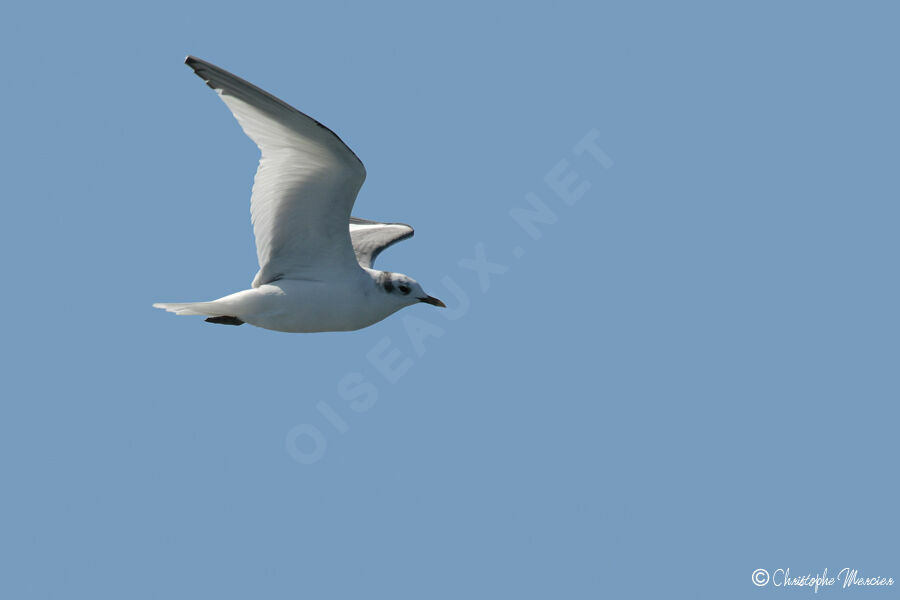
(385, 281)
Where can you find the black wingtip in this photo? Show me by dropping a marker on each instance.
(194, 63)
(196, 66)
(225, 320)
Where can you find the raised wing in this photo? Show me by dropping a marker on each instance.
(304, 188)
(371, 237)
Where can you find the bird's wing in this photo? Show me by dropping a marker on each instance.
(371, 237)
(304, 188)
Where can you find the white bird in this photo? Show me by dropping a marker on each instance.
(315, 272)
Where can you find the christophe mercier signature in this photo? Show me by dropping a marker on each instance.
(846, 578)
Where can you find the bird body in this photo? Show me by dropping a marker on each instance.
(305, 305)
(315, 260)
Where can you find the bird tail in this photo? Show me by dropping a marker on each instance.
(207, 309)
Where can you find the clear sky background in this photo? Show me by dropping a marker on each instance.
(690, 374)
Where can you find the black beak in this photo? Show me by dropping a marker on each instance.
(432, 301)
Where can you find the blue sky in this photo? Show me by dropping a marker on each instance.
(685, 373)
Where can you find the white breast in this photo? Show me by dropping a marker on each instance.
(301, 306)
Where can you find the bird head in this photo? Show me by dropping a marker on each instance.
(406, 290)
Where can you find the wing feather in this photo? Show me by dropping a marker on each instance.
(305, 186)
(370, 238)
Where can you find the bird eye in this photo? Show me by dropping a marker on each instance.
(404, 289)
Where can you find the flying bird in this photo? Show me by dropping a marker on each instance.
(316, 261)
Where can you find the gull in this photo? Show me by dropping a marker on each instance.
(315, 259)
